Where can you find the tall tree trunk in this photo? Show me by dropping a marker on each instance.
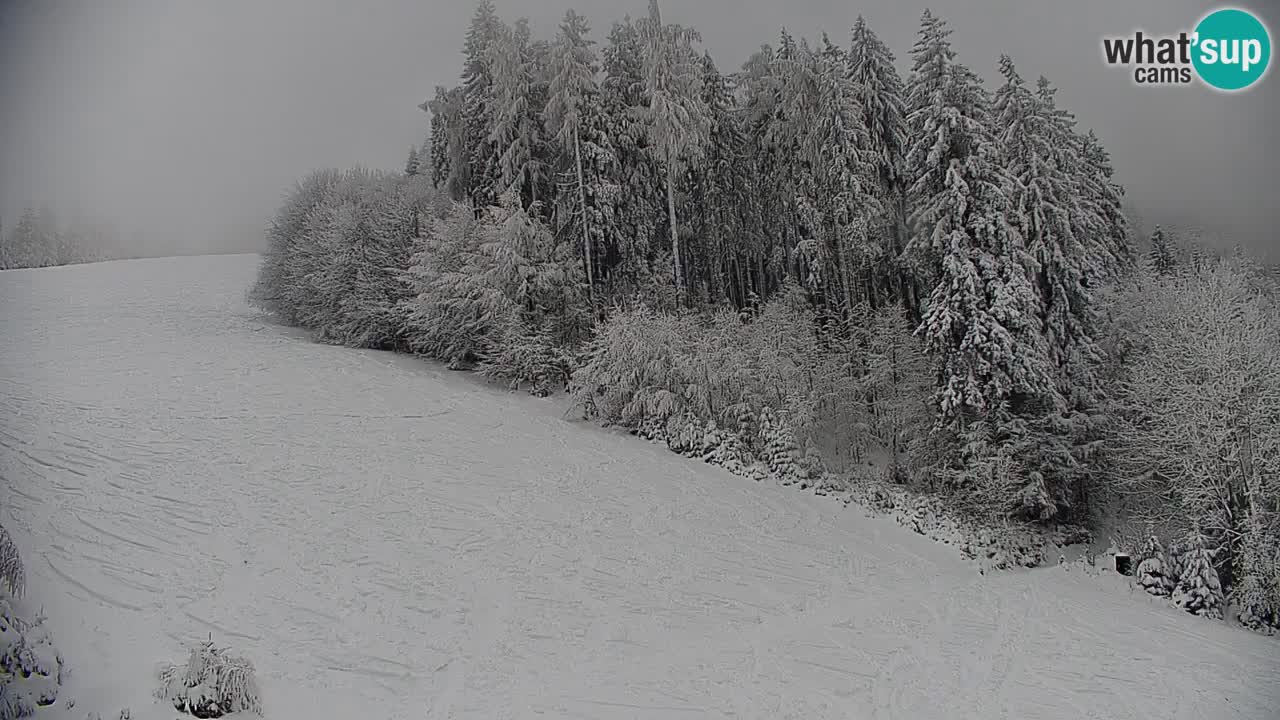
(675, 234)
(586, 235)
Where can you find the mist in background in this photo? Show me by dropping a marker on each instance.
(181, 122)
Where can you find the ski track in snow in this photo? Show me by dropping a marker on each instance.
(387, 539)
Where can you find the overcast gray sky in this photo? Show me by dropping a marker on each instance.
(189, 118)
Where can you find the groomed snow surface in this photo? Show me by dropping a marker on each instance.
(385, 539)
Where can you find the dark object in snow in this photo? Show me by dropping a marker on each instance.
(1124, 564)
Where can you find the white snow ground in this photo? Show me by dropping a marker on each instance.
(386, 539)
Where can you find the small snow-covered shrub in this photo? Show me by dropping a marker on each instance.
(30, 667)
(12, 576)
(211, 684)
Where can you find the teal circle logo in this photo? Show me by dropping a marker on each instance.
(1232, 49)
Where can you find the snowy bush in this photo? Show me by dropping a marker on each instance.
(282, 262)
(31, 669)
(1256, 592)
(211, 684)
(12, 575)
(498, 292)
(1195, 441)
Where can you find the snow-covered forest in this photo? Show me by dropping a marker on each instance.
(814, 266)
(39, 239)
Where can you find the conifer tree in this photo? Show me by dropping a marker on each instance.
(1038, 146)
(721, 189)
(478, 108)
(514, 133)
(881, 95)
(827, 130)
(411, 164)
(982, 316)
(638, 205)
(947, 121)
(573, 91)
(1163, 254)
(677, 116)
(1103, 199)
(450, 161)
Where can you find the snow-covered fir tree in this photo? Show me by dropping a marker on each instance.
(573, 93)
(639, 208)
(677, 116)
(881, 94)
(413, 162)
(515, 131)
(1038, 148)
(1199, 589)
(719, 189)
(1163, 254)
(482, 183)
(450, 161)
(982, 316)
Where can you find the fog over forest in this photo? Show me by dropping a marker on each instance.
(182, 122)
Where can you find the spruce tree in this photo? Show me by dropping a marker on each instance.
(411, 164)
(1039, 154)
(573, 92)
(981, 318)
(677, 115)
(1103, 198)
(638, 207)
(881, 95)
(827, 130)
(477, 106)
(1163, 254)
(450, 163)
(721, 189)
(514, 133)
(24, 241)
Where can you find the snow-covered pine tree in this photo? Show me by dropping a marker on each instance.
(514, 131)
(573, 92)
(881, 95)
(25, 241)
(720, 192)
(772, 220)
(636, 206)
(827, 130)
(412, 163)
(982, 317)
(478, 108)
(542, 280)
(1107, 223)
(1155, 572)
(1037, 144)
(1198, 590)
(677, 116)
(450, 162)
(1163, 254)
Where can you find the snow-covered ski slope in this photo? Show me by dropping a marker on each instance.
(386, 539)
